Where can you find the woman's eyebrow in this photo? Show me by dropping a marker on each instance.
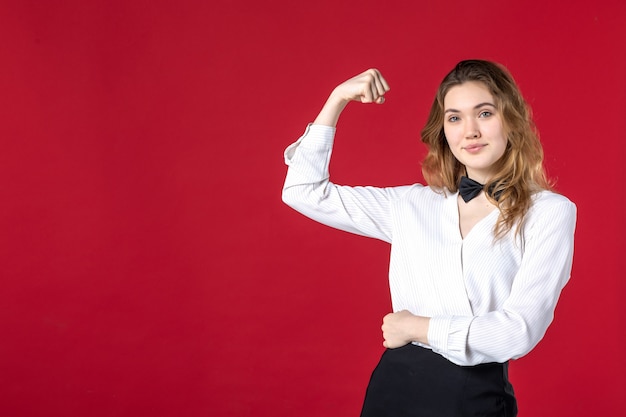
(475, 107)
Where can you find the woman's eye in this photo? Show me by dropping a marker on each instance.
(453, 119)
(485, 114)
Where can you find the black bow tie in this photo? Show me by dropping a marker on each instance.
(468, 189)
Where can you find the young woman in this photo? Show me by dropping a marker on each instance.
(478, 257)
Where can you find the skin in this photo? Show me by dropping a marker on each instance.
(473, 129)
(474, 132)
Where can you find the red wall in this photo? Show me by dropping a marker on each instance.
(148, 265)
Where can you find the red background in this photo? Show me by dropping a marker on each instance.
(148, 265)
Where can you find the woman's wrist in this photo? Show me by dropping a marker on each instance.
(421, 329)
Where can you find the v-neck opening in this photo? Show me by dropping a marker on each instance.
(457, 216)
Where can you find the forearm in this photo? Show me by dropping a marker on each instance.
(329, 115)
(494, 337)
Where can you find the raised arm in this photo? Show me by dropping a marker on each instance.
(308, 189)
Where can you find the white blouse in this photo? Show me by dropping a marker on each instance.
(489, 301)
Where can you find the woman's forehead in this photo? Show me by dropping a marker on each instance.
(468, 95)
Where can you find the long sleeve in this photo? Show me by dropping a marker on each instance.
(360, 210)
(520, 322)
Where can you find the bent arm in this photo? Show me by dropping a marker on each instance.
(515, 329)
(360, 210)
(307, 189)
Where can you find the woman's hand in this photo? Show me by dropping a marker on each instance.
(402, 328)
(367, 87)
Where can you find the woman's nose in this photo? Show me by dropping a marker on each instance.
(472, 131)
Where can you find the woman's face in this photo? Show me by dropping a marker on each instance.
(473, 129)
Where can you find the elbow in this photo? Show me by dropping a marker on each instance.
(527, 337)
(289, 197)
(511, 336)
(301, 197)
(293, 197)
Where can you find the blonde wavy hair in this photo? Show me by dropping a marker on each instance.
(519, 173)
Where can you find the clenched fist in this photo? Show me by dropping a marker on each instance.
(402, 328)
(367, 87)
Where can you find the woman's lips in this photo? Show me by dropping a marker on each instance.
(474, 148)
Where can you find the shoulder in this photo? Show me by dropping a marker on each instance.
(549, 199)
(550, 207)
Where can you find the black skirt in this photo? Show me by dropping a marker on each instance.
(413, 381)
